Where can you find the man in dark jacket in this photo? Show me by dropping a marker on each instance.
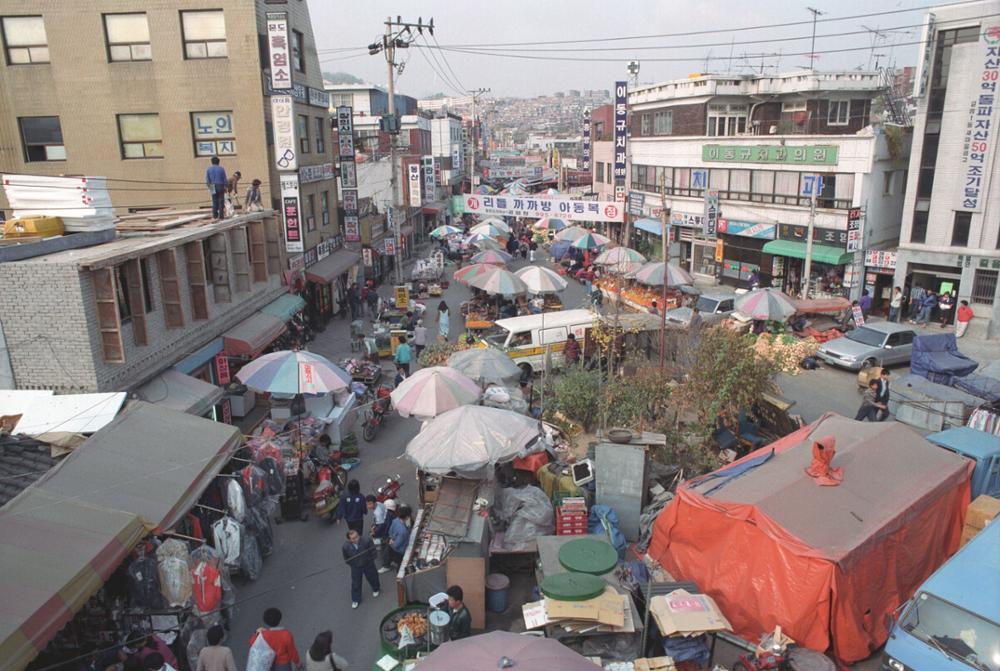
(359, 553)
(353, 507)
(461, 621)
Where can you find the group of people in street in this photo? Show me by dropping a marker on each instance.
(222, 187)
(921, 305)
(875, 403)
(273, 648)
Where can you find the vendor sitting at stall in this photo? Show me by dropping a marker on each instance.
(399, 535)
(461, 621)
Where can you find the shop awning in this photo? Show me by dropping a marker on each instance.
(180, 392)
(54, 555)
(252, 335)
(432, 208)
(200, 357)
(64, 413)
(327, 270)
(653, 226)
(284, 306)
(835, 256)
(151, 461)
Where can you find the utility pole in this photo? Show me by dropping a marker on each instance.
(664, 220)
(475, 93)
(398, 35)
(807, 266)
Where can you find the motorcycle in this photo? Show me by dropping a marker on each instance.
(377, 414)
(389, 490)
(331, 481)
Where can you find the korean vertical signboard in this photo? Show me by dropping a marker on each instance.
(711, 217)
(283, 125)
(430, 192)
(348, 174)
(290, 213)
(415, 183)
(621, 139)
(278, 51)
(854, 229)
(585, 164)
(979, 133)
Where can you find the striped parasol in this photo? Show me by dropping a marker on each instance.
(444, 231)
(551, 224)
(488, 230)
(500, 281)
(498, 223)
(619, 256)
(767, 304)
(494, 256)
(485, 365)
(571, 234)
(541, 280)
(289, 373)
(431, 391)
(653, 274)
(464, 275)
(591, 241)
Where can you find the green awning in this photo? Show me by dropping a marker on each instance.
(284, 307)
(835, 256)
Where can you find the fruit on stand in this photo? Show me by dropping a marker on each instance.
(437, 353)
(785, 352)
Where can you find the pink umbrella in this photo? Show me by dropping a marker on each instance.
(502, 649)
(431, 391)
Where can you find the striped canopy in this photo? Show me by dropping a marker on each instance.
(494, 256)
(431, 391)
(654, 272)
(500, 281)
(591, 241)
(465, 274)
(496, 222)
(444, 231)
(488, 230)
(571, 234)
(550, 224)
(767, 304)
(541, 280)
(289, 373)
(619, 256)
(485, 365)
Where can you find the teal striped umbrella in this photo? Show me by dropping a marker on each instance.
(654, 272)
(767, 304)
(497, 223)
(619, 256)
(500, 281)
(551, 224)
(488, 230)
(289, 373)
(591, 241)
(494, 256)
(444, 231)
(466, 274)
(571, 234)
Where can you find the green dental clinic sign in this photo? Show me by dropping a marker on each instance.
(812, 154)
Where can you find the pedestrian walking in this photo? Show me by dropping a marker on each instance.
(962, 318)
(870, 405)
(216, 181)
(359, 553)
(532, 248)
(403, 357)
(419, 337)
(927, 305)
(381, 520)
(278, 639)
(865, 303)
(916, 302)
(945, 304)
(895, 303)
(443, 321)
(215, 656)
(354, 301)
(352, 507)
(321, 656)
(571, 353)
(883, 393)
(399, 535)
(372, 302)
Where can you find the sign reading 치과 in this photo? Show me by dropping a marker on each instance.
(563, 208)
(812, 154)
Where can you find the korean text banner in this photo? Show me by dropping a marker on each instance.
(290, 211)
(563, 208)
(278, 51)
(621, 131)
(285, 156)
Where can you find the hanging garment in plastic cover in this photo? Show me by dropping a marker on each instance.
(250, 558)
(144, 583)
(255, 487)
(258, 524)
(174, 562)
(206, 579)
(228, 536)
(528, 513)
(235, 500)
(274, 471)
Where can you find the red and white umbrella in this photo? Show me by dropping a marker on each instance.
(766, 304)
(432, 391)
(654, 273)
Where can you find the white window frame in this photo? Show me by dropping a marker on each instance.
(663, 122)
(646, 125)
(27, 53)
(134, 48)
(793, 106)
(146, 145)
(834, 119)
(727, 119)
(206, 42)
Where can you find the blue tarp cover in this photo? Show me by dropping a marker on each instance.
(936, 357)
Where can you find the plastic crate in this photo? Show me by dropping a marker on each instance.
(573, 523)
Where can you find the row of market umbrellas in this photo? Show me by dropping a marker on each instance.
(494, 279)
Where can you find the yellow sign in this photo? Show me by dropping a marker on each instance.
(402, 298)
(718, 251)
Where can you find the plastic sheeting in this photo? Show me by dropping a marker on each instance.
(83, 203)
(826, 563)
(937, 358)
(174, 565)
(528, 514)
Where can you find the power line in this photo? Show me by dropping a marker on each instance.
(439, 72)
(445, 59)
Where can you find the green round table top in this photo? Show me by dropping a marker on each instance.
(572, 586)
(588, 555)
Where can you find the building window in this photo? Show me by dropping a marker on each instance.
(303, 130)
(298, 51)
(204, 34)
(42, 138)
(727, 119)
(984, 286)
(960, 230)
(663, 123)
(838, 112)
(887, 183)
(128, 37)
(311, 212)
(918, 232)
(320, 135)
(141, 136)
(25, 40)
(793, 106)
(213, 133)
(599, 172)
(646, 125)
(324, 207)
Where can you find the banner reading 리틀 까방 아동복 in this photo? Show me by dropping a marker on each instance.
(563, 208)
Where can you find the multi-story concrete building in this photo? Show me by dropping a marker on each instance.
(112, 316)
(447, 149)
(758, 141)
(146, 93)
(950, 240)
(602, 152)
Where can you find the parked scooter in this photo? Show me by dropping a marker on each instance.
(377, 414)
(331, 482)
(389, 490)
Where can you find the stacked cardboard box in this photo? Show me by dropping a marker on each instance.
(610, 612)
(681, 613)
(980, 513)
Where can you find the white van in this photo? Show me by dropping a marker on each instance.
(524, 339)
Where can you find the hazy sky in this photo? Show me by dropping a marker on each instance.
(343, 24)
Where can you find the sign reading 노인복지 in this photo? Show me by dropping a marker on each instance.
(563, 208)
(768, 153)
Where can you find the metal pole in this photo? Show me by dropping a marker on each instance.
(390, 54)
(664, 218)
(807, 266)
(472, 147)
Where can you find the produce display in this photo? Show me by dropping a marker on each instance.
(437, 353)
(415, 622)
(785, 352)
(637, 293)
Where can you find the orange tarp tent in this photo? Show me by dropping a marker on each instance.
(826, 563)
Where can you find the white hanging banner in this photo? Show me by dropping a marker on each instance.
(561, 208)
